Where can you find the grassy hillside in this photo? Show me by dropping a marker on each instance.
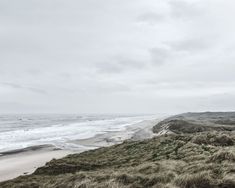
(202, 158)
(198, 122)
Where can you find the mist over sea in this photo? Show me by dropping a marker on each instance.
(22, 131)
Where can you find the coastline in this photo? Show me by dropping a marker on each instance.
(25, 161)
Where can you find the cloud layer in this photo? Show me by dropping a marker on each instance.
(116, 56)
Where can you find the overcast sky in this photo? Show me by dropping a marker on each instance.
(117, 56)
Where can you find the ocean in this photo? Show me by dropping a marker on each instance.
(22, 131)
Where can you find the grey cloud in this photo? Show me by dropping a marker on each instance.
(19, 44)
(179, 9)
(185, 9)
(107, 87)
(194, 44)
(150, 18)
(18, 86)
(34, 72)
(109, 67)
(160, 55)
(120, 64)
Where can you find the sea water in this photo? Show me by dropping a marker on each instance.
(22, 131)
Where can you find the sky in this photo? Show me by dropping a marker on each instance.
(117, 56)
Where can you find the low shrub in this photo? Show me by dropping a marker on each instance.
(199, 180)
(222, 156)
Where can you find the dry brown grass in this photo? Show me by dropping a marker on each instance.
(202, 180)
(222, 156)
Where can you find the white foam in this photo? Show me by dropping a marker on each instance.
(62, 133)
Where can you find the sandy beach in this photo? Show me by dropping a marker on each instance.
(25, 161)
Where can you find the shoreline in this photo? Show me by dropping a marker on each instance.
(27, 149)
(25, 161)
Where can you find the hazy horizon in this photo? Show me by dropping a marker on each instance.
(117, 56)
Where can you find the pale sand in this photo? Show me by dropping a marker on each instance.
(25, 161)
(17, 164)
